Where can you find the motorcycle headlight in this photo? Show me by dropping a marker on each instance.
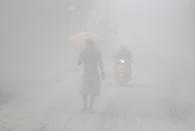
(122, 60)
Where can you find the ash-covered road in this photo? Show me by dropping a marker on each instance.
(136, 107)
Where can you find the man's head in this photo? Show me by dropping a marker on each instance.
(90, 43)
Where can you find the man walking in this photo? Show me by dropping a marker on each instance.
(91, 60)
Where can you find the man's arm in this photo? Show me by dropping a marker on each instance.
(80, 60)
(130, 57)
(101, 66)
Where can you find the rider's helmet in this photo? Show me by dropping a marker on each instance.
(123, 47)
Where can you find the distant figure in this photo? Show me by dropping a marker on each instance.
(123, 61)
(125, 53)
(91, 60)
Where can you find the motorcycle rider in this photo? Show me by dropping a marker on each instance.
(126, 54)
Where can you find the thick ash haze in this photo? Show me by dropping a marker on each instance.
(40, 79)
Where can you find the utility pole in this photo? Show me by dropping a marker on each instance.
(71, 9)
(107, 19)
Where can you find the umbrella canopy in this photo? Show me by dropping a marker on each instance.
(82, 37)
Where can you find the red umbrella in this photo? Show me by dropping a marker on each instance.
(82, 37)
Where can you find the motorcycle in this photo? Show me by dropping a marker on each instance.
(123, 71)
